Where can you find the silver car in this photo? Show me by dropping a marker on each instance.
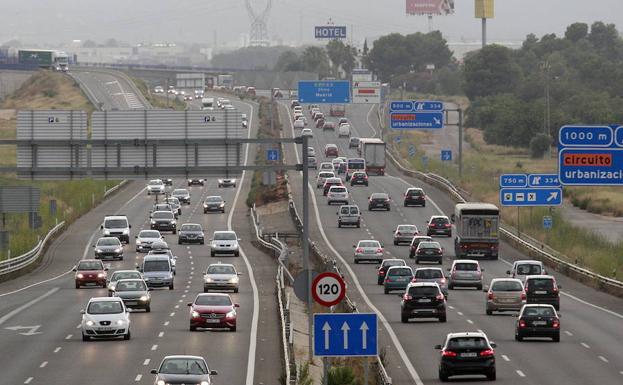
(224, 242)
(432, 274)
(349, 215)
(118, 275)
(405, 233)
(221, 276)
(337, 194)
(504, 294)
(322, 177)
(155, 186)
(465, 272)
(145, 238)
(368, 250)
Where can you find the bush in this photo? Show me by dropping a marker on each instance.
(539, 145)
(342, 375)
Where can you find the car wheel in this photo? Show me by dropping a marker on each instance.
(417, 261)
(395, 243)
(518, 338)
(479, 287)
(148, 309)
(451, 287)
(236, 290)
(443, 376)
(171, 287)
(440, 261)
(77, 285)
(491, 375)
(85, 337)
(489, 312)
(442, 318)
(193, 328)
(556, 337)
(179, 241)
(205, 211)
(137, 250)
(127, 336)
(389, 209)
(423, 204)
(148, 193)
(356, 261)
(232, 329)
(174, 231)
(211, 254)
(385, 290)
(404, 319)
(237, 254)
(358, 225)
(202, 243)
(223, 211)
(339, 225)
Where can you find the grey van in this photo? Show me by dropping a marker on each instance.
(349, 215)
(157, 271)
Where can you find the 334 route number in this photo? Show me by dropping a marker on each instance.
(328, 289)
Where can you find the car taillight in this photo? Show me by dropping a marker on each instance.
(490, 295)
(381, 272)
(448, 353)
(523, 295)
(365, 177)
(387, 279)
(556, 324)
(407, 297)
(487, 353)
(439, 297)
(522, 323)
(555, 289)
(447, 225)
(494, 247)
(359, 250)
(439, 251)
(443, 280)
(414, 279)
(379, 250)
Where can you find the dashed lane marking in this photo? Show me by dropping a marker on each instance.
(43, 364)
(604, 359)
(520, 373)
(28, 380)
(160, 335)
(166, 323)
(69, 336)
(505, 357)
(138, 377)
(154, 347)
(567, 332)
(58, 349)
(585, 345)
(469, 321)
(146, 362)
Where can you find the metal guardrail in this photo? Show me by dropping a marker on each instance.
(114, 188)
(26, 259)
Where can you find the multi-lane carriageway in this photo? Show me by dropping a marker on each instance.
(591, 347)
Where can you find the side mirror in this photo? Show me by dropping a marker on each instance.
(438, 347)
(482, 270)
(508, 272)
(153, 371)
(82, 311)
(189, 304)
(102, 227)
(559, 287)
(136, 237)
(239, 239)
(93, 246)
(239, 273)
(236, 305)
(74, 269)
(129, 226)
(213, 373)
(106, 269)
(452, 218)
(354, 245)
(493, 344)
(448, 269)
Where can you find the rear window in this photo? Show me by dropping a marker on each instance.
(466, 266)
(467, 343)
(423, 291)
(379, 196)
(407, 228)
(428, 274)
(439, 221)
(539, 311)
(506, 286)
(393, 263)
(540, 284)
(529, 269)
(338, 189)
(401, 272)
(415, 193)
(369, 244)
(429, 245)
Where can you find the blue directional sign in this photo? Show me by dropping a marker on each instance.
(428, 105)
(401, 106)
(531, 196)
(543, 180)
(272, 155)
(513, 180)
(547, 222)
(330, 32)
(411, 150)
(397, 139)
(446, 155)
(345, 334)
(329, 91)
(414, 115)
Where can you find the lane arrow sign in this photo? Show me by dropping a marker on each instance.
(32, 330)
(553, 195)
(364, 335)
(326, 329)
(345, 329)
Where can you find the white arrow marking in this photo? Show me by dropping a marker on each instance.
(326, 328)
(553, 195)
(345, 329)
(32, 330)
(364, 335)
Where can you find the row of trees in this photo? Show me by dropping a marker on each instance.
(334, 59)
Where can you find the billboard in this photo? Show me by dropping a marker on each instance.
(429, 7)
(483, 9)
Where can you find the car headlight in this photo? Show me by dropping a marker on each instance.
(194, 314)
(126, 231)
(106, 232)
(138, 241)
(172, 222)
(234, 280)
(119, 322)
(220, 181)
(144, 298)
(98, 250)
(205, 205)
(118, 250)
(112, 287)
(161, 382)
(231, 314)
(89, 323)
(80, 275)
(190, 180)
(222, 205)
(100, 275)
(208, 280)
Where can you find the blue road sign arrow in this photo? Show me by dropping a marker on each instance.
(531, 196)
(345, 334)
(446, 155)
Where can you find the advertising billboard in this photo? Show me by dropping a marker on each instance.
(483, 9)
(429, 7)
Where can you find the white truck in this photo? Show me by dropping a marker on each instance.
(207, 103)
(373, 151)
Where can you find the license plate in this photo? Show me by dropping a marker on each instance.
(471, 354)
(131, 303)
(428, 252)
(104, 329)
(424, 300)
(540, 292)
(401, 279)
(507, 300)
(213, 321)
(369, 251)
(539, 323)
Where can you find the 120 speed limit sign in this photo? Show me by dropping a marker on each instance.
(328, 289)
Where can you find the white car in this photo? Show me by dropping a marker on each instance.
(307, 132)
(311, 151)
(221, 276)
(299, 123)
(224, 242)
(105, 317)
(337, 194)
(322, 177)
(368, 250)
(145, 238)
(155, 186)
(297, 114)
(344, 130)
(159, 90)
(227, 182)
(326, 166)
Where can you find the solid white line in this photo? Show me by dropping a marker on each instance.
(27, 305)
(146, 362)
(160, 335)
(154, 347)
(505, 357)
(521, 374)
(585, 345)
(604, 359)
(58, 349)
(43, 364)
(138, 377)
(28, 380)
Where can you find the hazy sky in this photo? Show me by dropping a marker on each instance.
(57, 21)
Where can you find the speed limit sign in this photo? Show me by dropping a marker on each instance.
(328, 289)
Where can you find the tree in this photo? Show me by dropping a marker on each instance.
(315, 59)
(576, 31)
(288, 61)
(539, 145)
(490, 71)
(365, 47)
(89, 44)
(335, 51)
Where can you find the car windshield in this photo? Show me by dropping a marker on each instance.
(214, 199)
(466, 266)
(467, 343)
(409, 228)
(379, 196)
(108, 242)
(180, 192)
(402, 272)
(423, 291)
(369, 244)
(191, 228)
(90, 265)
(149, 234)
(538, 311)
(125, 275)
(105, 307)
(428, 274)
(415, 193)
(155, 182)
(115, 224)
(183, 366)
(225, 236)
(506, 286)
(149, 266)
(529, 269)
(418, 240)
(429, 245)
(131, 286)
(213, 300)
(221, 269)
(163, 215)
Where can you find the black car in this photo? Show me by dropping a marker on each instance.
(359, 177)
(182, 195)
(196, 181)
(191, 233)
(429, 252)
(415, 242)
(183, 370)
(537, 321)
(439, 225)
(423, 300)
(163, 220)
(108, 248)
(542, 289)
(415, 196)
(467, 353)
(379, 201)
(353, 142)
(134, 293)
(214, 203)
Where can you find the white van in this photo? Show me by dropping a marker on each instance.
(116, 226)
(344, 130)
(207, 103)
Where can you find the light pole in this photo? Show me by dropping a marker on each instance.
(546, 115)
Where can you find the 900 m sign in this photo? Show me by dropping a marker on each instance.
(328, 289)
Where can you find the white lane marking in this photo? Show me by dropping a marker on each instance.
(78, 326)
(28, 380)
(166, 323)
(177, 306)
(87, 247)
(451, 307)
(160, 335)
(183, 295)
(390, 331)
(585, 345)
(567, 332)
(69, 336)
(621, 372)
(459, 313)
(58, 349)
(505, 357)
(604, 359)
(28, 304)
(521, 374)
(154, 347)
(43, 364)
(172, 314)
(146, 362)
(180, 301)
(469, 321)
(368, 120)
(138, 377)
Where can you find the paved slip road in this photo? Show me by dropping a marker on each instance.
(53, 352)
(113, 91)
(591, 320)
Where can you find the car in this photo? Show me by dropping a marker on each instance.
(542, 289)
(90, 272)
(277, 94)
(397, 278)
(337, 194)
(379, 201)
(320, 123)
(116, 226)
(108, 248)
(175, 205)
(158, 90)
(167, 181)
(182, 195)
(163, 221)
(359, 177)
(296, 115)
(467, 353)
(221, 276)
(342, 121)
(465, 272)
(326, 166)
(157, 271)
(183, 370)
(312, 162)
(504, 294)
(328, 126)
(415, 242)
(155, 186)
(439, 225)
(317, 116)
(311, 151)
(431, 274)
(196, 181)
(385, 265)
(162, 248)
(353, 142)
(213, 310)
(134, 293)
(214, 203)
(422, 300)
(251, 91)
(299, 123)
(145, 238)
(330, 150)
(368, 250)
(307, 132)
(227, 182)
(224, 242)
(414, 196)
(118, 275)
(164, 207)
(105, 317)
(188, 98)
(304, 119)
(523, 268)
(343, 130)
(537, 320)
(295, 103)
(429, 252)
(339, 164)
(329, 182)
(403, 233)
(323, 176)
(348, 215)
(189, 233)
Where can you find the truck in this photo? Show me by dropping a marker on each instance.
(50, 59)
(477, 230)
(226, 81)
(337, 110)
(207, 104)
(373, 151)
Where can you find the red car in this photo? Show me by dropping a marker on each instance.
(328, 126)
(90, 272)
(213, 310)
(330, 150)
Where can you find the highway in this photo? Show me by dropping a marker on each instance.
(109, 88)
(591, 321)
